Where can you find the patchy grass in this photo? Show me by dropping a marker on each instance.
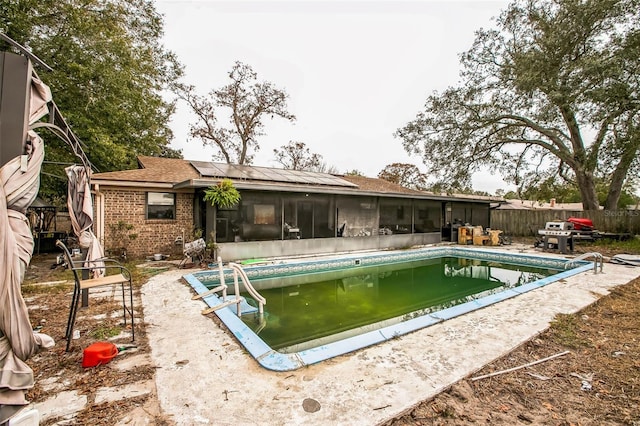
(105, 332)
(631, 246)
(565, 330)
(38, 289)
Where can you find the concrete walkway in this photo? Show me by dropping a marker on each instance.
(206, 377)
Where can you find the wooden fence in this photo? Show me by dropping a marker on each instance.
(527, 222)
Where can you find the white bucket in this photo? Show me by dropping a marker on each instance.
(157, 256)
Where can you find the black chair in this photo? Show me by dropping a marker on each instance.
(120, 275)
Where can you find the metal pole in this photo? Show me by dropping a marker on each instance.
(84, 251)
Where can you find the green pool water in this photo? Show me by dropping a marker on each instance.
(308, 310)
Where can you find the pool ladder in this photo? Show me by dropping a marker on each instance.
(236, 299)
(597, 260)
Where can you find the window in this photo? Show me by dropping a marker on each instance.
(161, 205)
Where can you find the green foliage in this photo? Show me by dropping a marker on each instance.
(223, 195)
(630, 246)
(354, 172)
(551, 188)
(407, 175)
(247, 101)
(565, 329)
(109, 74)
(104, 332)
(551, 91)
(212, 247)
(510, 195)
(120, 236)
(564, 192)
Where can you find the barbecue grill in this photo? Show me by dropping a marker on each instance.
(557, 235)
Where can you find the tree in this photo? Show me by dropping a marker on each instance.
(296, 156)
(247, 101)
(223, 195)
(109, 71)
(323, 167)
(550, 188)
(554, 87)
(563, 192)
(407, 175)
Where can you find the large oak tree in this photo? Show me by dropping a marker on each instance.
(109, 73)
(554, 88)
(245, 102)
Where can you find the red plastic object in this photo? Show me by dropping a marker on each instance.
(98, 353)
(581, 224)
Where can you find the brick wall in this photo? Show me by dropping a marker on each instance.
(151, 236)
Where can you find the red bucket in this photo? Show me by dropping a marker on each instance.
(98, 353)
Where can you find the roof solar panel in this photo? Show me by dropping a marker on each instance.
(267, 174)
(255, 173)
(207, 169)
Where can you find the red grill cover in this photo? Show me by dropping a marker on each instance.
(581, 223)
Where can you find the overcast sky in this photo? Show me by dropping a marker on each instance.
(355, 71)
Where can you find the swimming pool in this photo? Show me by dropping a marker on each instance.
(293, 356)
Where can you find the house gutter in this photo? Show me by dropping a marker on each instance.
(99, 213)
(135, 184)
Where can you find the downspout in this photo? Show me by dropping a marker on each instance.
(99, 214)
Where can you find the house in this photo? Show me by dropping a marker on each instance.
(157, 207)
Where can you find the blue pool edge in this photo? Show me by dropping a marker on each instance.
(277, 361)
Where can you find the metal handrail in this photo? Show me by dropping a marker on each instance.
(597, 258)
(222, 287)
(237, 300)
(237, 270)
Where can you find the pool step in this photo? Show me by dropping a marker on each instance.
(245, 308)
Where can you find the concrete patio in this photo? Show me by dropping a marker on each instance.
(205, 377)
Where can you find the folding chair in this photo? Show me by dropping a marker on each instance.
(121, 276)
(194, 249)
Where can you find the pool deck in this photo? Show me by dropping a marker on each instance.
(206, 377)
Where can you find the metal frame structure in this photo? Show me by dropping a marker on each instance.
(16, 73)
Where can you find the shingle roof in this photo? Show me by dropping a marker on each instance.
(173, 170)
(182, 173)
(378, 185)
(153, 169)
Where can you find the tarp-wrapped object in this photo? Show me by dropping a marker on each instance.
(19, 185)
(81, 215)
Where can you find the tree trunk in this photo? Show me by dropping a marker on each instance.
(588, 190)
(615, 189)
(620, 173)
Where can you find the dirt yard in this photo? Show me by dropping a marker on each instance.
(597, 382)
